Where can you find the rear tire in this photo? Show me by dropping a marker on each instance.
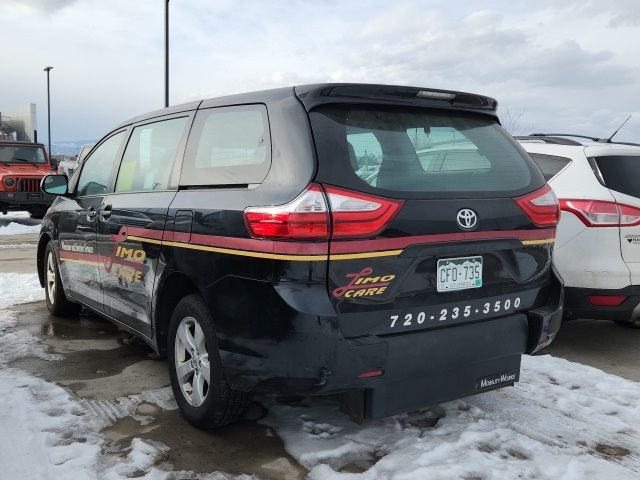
(201, 391)
(57, 302)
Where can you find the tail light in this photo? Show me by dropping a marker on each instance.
(357, 214)
(306, 216)
(541, 207)
(351, 215)
(602, 213)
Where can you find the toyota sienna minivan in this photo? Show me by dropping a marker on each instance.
(388, 244)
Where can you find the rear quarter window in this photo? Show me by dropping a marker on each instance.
(419, 153)
(550, 164)
(621, 173)
(228, 146)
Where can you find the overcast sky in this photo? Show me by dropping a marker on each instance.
(563, 65)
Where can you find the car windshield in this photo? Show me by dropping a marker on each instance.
(21, 154)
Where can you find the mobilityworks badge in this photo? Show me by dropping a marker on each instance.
(494, 381)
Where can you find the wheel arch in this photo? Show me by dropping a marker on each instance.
(45, 238)
(172, 288)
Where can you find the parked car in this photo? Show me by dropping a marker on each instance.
(240, 237)
(68, 167)
(22, 166)
(597, 249)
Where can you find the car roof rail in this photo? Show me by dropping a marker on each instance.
(547, 139)
(558, 140)
(587, 137)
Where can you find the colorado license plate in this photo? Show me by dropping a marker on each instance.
(459, 273)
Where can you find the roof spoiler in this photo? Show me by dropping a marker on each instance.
(350, 93)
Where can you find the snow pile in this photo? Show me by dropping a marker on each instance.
(15, 228)
(17, 288)
(563, 420)
(12, 215)
(47, 435)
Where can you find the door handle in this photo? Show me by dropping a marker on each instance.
(105, 212)
(91, 214)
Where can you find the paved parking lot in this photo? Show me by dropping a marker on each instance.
(119, 379)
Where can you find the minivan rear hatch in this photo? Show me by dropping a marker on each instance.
(438, 216)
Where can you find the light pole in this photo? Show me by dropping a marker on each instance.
(48, 69)
(166, 53)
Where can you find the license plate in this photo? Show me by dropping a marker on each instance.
(459, 273)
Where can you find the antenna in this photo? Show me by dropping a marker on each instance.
(608, 140)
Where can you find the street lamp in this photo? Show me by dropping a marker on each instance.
(166, 53)
(48, 69)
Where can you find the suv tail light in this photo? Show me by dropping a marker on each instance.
(602, 213)
(308, 216)
(358, 214)
(541, 207)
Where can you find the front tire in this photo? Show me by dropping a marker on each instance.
(57, 301)
(200, 389)
(38, 214)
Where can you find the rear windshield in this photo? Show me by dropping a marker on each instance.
(421, 151)
(621, 173)
(18, 154)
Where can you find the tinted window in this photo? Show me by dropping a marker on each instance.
(149, 156)
(420, 151)
(550, 164)
(228, 145)
(94, 178)
(621, 173)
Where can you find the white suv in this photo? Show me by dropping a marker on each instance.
(597, 250)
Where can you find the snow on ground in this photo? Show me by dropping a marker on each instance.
(16, 215)
(15, 228)
(18, 228)
(562, 421)
(46, 432)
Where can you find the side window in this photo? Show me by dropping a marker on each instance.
(228, 145)
(94, 178)
(149, 155)
(550, 164)
(620, 173)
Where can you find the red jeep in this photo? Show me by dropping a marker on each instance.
(22, 166)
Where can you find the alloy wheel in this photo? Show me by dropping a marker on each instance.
(192, 362)
(51, 277)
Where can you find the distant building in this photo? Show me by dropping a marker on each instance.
(19, 123)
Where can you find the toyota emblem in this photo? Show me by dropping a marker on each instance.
(467, 219)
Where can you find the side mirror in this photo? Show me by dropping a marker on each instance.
(55, 184)
(54, 164)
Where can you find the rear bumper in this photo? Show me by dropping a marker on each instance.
(11, 200)
(419, 368)
(577, 304)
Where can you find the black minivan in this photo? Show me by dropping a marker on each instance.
(388, 244)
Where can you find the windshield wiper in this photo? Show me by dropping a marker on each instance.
(24, 160)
